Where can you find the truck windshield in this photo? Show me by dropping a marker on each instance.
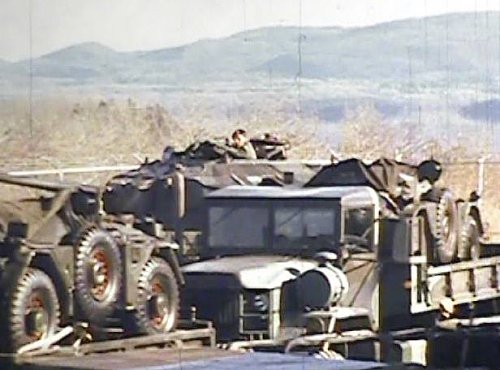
(270, 227)
(239, 227)
(301, 226)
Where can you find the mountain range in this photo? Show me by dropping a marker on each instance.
(455, 48)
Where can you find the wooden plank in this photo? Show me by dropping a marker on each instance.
(150, 358)
(206, 335)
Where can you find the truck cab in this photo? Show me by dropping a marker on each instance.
(271, 254)
(380, 237)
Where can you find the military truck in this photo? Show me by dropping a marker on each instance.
(63, 264)
(381, 240)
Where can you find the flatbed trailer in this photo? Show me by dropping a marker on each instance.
(124, 353)
(197, 359)
(184, 349)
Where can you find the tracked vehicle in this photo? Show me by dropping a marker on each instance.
(62, 264)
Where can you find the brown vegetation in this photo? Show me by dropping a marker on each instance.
(106, 132)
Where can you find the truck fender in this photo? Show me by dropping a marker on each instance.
(171, 257)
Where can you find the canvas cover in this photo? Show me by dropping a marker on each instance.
(383, 175)
(205, 166)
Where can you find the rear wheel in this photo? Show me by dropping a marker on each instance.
(97, 274)
(157, 306)
(33, 310)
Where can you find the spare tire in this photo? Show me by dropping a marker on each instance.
(98, 274)
(445, 230)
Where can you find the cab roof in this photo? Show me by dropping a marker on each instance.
(363, 194)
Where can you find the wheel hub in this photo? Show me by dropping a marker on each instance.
(159, 304)
(446, 225)
(100, 271)
(36, 319)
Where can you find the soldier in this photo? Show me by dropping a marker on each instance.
(242, 145)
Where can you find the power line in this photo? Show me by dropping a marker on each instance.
(299, 52)
(410, 79)
(244, 15)
(270, 51)
(487, 77)
(30, 16)
(476, 92)
(447, 72)
(426, 40)
(498, 74)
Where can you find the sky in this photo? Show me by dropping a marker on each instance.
(127, 25)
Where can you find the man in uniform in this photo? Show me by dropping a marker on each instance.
(243, 148)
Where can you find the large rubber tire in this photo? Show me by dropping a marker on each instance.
(446, 238)
(470, 241)
(98, 275)
(33, 310)
(157, 306)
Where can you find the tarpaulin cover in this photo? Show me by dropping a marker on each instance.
(204, 167)
(205, 161)
(381, 175)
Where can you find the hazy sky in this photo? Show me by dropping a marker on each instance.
(151, 24)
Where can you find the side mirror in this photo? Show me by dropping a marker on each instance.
(325, 257)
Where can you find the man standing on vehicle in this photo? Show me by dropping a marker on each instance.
(242, 145)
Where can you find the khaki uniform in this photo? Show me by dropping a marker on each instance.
(247, 151)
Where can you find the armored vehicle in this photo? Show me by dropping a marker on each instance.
(62, 263)
(166, 196)
(356, 236)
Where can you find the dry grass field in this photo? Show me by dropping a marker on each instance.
(93, 132)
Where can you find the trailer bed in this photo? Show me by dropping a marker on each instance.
(146, 358)
(192, 359)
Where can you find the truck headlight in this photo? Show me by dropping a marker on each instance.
(256, 311)
(256, 302)
(261, 302)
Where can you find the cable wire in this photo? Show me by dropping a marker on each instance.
(30, 20)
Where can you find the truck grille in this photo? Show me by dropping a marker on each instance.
(221, 306)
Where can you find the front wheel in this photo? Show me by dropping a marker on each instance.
(33, 310)
(98, 274)
(157, 306)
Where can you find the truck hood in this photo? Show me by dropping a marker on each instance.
(253, 272)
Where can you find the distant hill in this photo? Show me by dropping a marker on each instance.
(487, 111)
(457, 48)
(3, 63)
